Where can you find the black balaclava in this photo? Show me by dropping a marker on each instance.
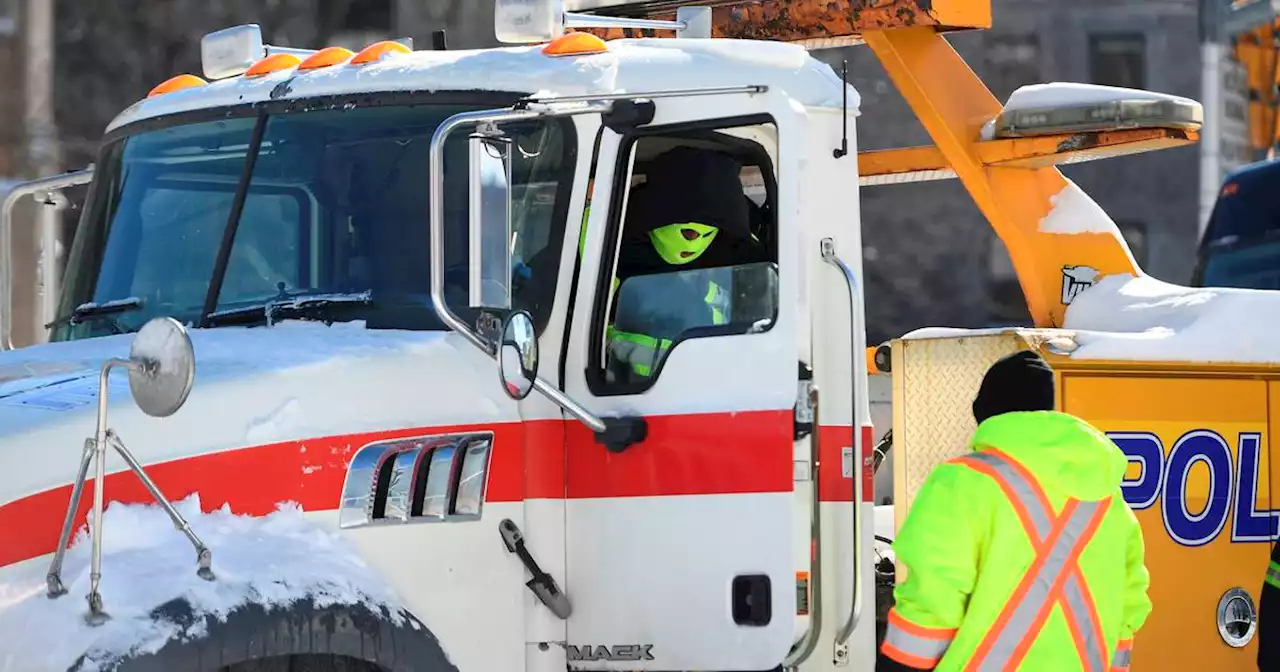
(1022, 381)
(686, 185)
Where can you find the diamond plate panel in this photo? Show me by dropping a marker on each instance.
(934, 382)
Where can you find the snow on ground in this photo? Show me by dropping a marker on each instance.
(146, 562)
(1142, 318)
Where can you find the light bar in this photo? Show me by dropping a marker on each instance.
(1062, 108)
(538, 21)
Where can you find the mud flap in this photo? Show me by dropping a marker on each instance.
(253, 632)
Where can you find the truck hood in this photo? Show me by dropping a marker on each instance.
(253, 387)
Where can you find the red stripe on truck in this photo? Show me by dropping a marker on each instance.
(694, 454)
(833, 486)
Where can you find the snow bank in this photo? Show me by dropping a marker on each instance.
(272, 561)
(1141, 318)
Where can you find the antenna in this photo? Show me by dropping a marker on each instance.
(843, 150)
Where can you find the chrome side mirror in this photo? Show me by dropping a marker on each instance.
(163, 367)
(489, 224)
(518, 355)
(162, 370)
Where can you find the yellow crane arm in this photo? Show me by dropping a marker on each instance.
(1014, 182)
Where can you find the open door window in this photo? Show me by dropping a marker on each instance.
(686, 315)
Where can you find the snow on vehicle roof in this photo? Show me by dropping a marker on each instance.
(1144, 319)
(630, 65)
(1140, 318)
(271, 561)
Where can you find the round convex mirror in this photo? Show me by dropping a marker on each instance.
(518, 355)
(165, 367)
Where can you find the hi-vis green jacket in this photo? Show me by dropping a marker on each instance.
(1021, 555)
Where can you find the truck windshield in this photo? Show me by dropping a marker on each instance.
(1241, 246)
(335, 214)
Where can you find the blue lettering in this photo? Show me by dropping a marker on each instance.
(1144, 448)
(1233, 487)
(1199, 529)
(1249, 524)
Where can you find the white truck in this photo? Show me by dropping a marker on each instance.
(306, 263)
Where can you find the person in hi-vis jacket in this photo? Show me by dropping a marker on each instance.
(1022, 554)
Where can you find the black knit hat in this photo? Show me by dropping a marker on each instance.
(1022, 381)
(694, 185)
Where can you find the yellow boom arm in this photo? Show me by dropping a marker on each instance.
(1012, 181)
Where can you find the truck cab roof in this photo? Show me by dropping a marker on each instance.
(627, 65)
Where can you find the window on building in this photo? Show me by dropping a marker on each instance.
(8, 17)
(1118, 59)
(1012, 61)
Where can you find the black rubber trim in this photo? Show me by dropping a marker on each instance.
(577, 263)
(253, 632)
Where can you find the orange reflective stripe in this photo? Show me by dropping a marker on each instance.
(1054, 576)
(1120, 661)
(1077, 605)
(915, 645)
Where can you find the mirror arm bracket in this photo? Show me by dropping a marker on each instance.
(621, 433)
(626, 115)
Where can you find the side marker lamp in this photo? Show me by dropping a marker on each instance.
(377, 50)
(176, 84)
(575, 44)
(272, 63)
(326, 57)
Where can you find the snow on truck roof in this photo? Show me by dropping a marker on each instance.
(629, 65)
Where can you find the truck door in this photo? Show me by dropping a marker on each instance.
(679, 546)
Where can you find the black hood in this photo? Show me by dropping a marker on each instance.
(688, 185)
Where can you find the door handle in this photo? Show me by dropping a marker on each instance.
(542, 584)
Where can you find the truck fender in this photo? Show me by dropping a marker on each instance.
(396, 642)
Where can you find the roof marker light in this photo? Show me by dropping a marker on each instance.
(326, 57)
(272, 63)
(574, 44)
(176, 84)
(377, 50)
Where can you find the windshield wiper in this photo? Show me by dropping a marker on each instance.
(313, 307)
(87, 312)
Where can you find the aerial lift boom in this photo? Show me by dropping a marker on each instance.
(953, 104)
